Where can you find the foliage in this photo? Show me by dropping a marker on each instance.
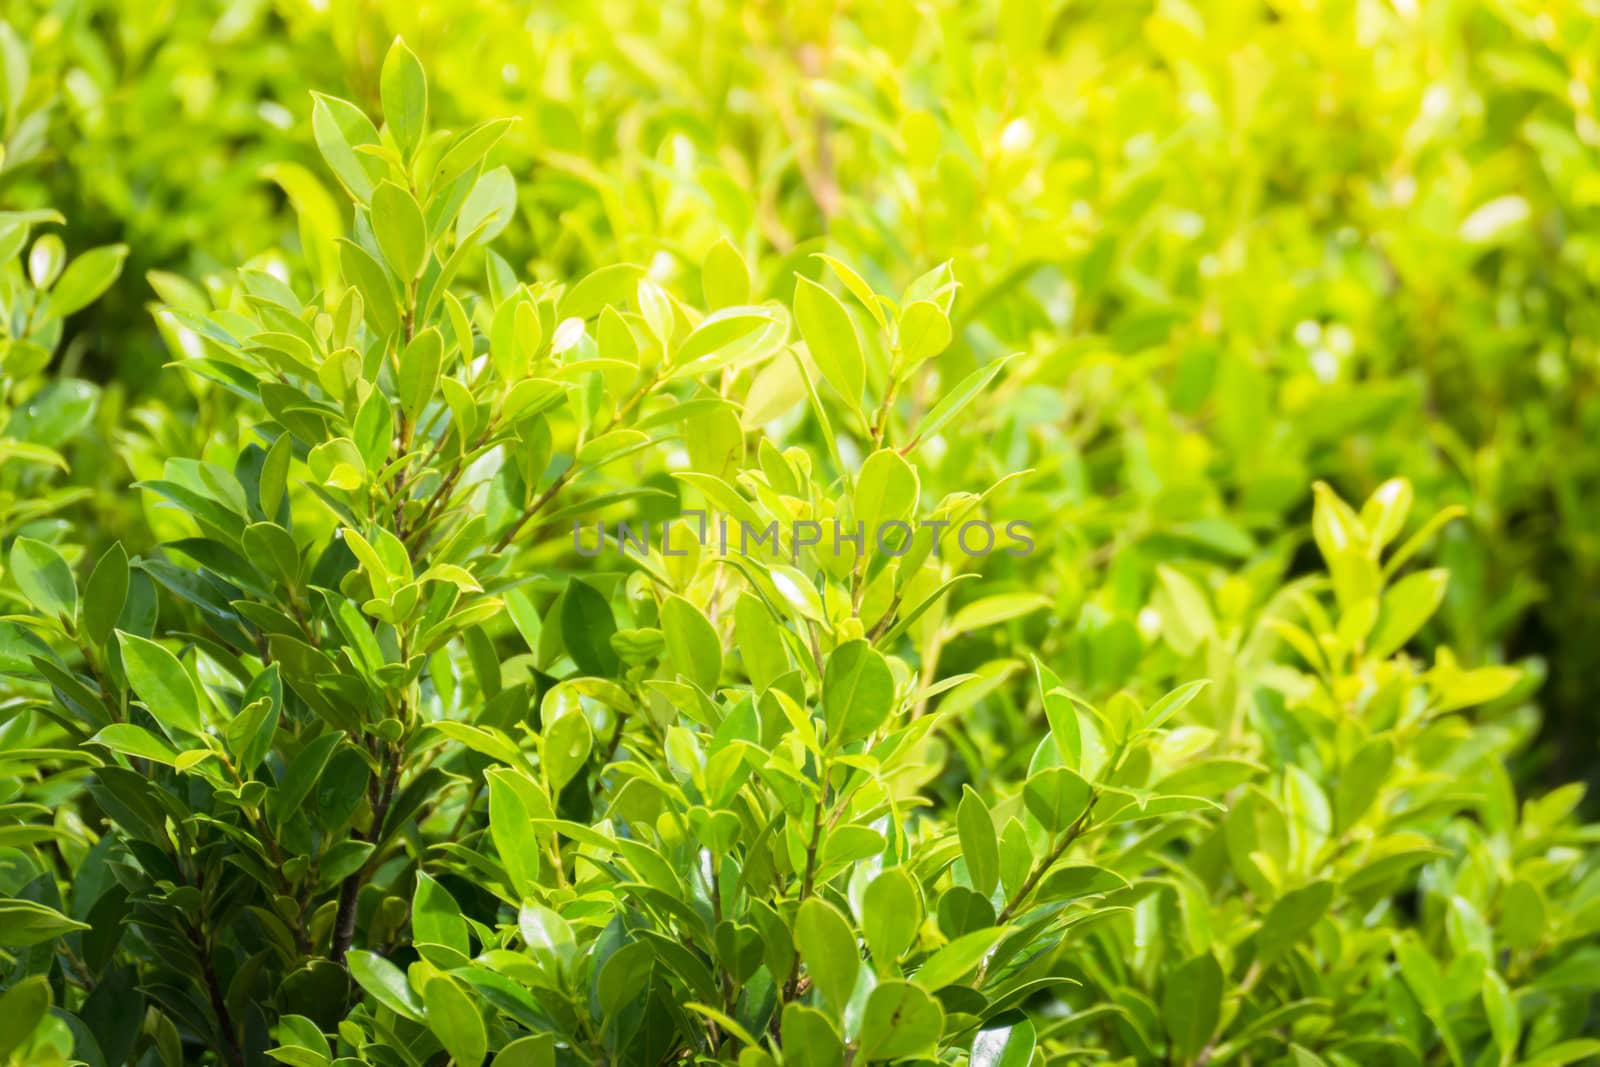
(352, 743)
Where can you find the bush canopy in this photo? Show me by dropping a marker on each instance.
(993, 535)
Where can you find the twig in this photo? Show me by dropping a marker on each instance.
(344, 926)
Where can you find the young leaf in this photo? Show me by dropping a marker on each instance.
(1006, 1041)
(1292, 917)
(162, 685)
(831, 339)
(980, 846)
(133, 740)
(1192, 1004)
(828, 946)
(693, 647)
(956, 400)
(404, 90)
(454, 1020)
(1057, 797)
(1407, 604)
(105, 593)
(511, 816)
(339, 127)
(401, 231)
(901, 1021)
(857, 691)
(44, 577)
(891, 913)
(567, 742)
(724, 277)
(886, 491)
(86, 277)
(419, 372)
(386, 984)
(436, 918)
(586, 627)
(924, 333)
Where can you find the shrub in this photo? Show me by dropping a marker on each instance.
(379, 756)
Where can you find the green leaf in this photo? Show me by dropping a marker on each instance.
(386, 983)
(22, 1008)
(609, 286)
(86, 277)
(133, 740)
(1384, 513)
(1185, 612)
(548, 936)
(586, 628)
(401, 231)
(24, 923)
(1361, 780)
(511, 814)
(693, 647)
(891, 913)
(1292, 917)
(274, 479)
(858, 287)
(368, 276)
(404, 90)
(162, 685)
(250, 733)
(1408, 604)
(45, 260)
(489, 208)
(18, 646)
(887, 490)
(857, 691)
(1191, 1005)
(720, 330)
(980, 845)
(809, 1038)
(1061, 712)
(827, 944)
(1505, 1021)
(419, 372)
(1522, 915)
(468, 150)
(273, 551)
(1007, 1041)
(1057, 797)
(436, 919)
(299, 1033)
(831, 339)
(1169, 705)
(956, 400)
(724, 278)
(568, 740)
(990, 610)
(339, 127)
(44, 577)
(1564, 1053)
(535, 1050)
(900, 1021)
(303, 774)
(454, 1020)
(54, 415)
(959, 958)
(924, 333)
(105, 593)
